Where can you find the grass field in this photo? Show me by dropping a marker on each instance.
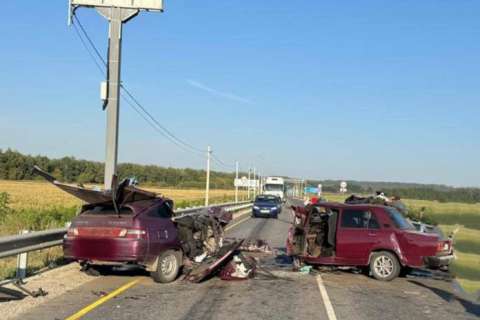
(35, 195)
(450, 216)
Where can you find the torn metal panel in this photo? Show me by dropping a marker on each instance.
(239, 268)
(123, 193)
(256, 245)
(213, 264)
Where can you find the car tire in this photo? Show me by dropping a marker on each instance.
(384, 266)
(168, 267)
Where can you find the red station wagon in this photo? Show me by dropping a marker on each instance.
(365, 235)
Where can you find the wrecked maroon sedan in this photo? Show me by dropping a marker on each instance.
(361, 235)
(132, 226)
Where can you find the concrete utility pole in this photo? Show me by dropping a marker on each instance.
(236, 178)
(207, 185)
(248, 188)
(116, 12)
(255, 183)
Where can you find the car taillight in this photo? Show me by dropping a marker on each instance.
(443, 246)
(72, 232)
(132, 233)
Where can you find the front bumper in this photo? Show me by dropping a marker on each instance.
(265, 213)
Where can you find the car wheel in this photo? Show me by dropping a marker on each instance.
(168, 267)
(384, 266)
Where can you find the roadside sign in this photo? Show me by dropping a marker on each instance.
(245, 183)
(311, 190)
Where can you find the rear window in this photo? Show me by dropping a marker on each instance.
(398, 219)
(161, 211)
(108, 210)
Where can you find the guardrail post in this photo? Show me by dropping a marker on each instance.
(22, 261)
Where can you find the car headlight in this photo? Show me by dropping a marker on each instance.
(255, 207)
(273, 208)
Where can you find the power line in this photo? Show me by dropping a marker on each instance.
(133, 102)
(87, 48)
(221, 163)
(166, 133)
(89, 40)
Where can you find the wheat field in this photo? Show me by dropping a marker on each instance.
(38, 194)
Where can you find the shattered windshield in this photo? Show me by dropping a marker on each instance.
(274, 187)
(398, 219)
(109, 210)
(271, 199)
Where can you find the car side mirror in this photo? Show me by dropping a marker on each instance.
(386, 225)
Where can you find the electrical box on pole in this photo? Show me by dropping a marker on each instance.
(116, 12)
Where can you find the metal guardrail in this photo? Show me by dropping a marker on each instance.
(17, 244)
(13, 245)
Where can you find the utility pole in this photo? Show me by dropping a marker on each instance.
(207, 185)
(236, 178)
(116, 12)
(248, 188)
(255, 183)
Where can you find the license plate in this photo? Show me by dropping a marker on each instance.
(265, 211)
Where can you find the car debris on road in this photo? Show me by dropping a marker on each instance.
(128, 226)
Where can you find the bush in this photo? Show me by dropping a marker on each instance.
(423, 214)
(4, 208)
(36, 219)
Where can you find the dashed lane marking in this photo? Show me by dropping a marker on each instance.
(326, 299)
(102, 300)
(237, 223)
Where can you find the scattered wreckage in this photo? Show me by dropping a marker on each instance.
(130, 226)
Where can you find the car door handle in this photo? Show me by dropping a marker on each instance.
(372, 234)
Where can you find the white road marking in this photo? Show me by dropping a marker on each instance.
(326, 299)
(236, 224)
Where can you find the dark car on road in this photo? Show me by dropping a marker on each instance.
(267, 206)
(369, 236)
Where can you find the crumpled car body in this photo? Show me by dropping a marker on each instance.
(353, 235)
(127, 225)
(445, 252)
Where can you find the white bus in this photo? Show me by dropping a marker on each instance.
(274, 186)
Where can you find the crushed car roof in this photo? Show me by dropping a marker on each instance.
(123, 192)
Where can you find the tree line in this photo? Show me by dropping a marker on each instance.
(17, 166)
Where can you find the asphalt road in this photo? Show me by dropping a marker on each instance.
(277, 292)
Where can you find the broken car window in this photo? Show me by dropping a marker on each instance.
(359, 219)
(161, 211)
(107, 210)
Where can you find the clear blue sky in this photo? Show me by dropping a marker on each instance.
(372, 90)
